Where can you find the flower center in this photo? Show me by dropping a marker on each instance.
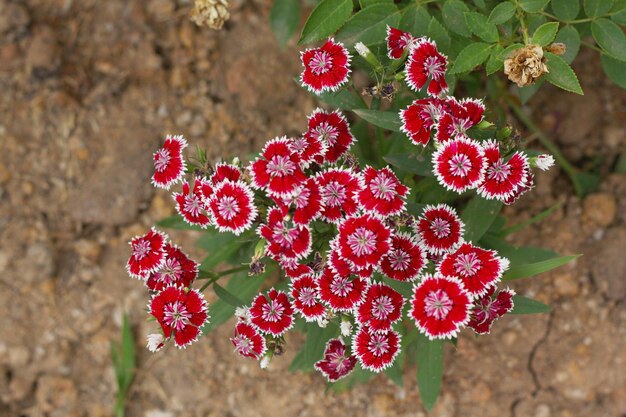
(298, 145)
(161, 160)
(283, 235)
(334, 194)
(378, 345)
(141, 249)
(307, 296)
(272, 311)
(440, 227)
(498, 171)
(228, 207)
(321, 62)
(281, 165)
(460, 165)
(176, 315)
(243, 344)
(399, 259)
(382, 307)
(337, 360)
(171, 271)
(300, 198)
(434, 67)
(437, 304)
(467, 264)
(341, 286)
(326, 132)
(362, 241)
(383, 187)
(192, 205)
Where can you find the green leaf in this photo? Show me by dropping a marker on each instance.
(316, 338)
(439, 34)
(533, 6)
(594, 8)
(523, 225)
(509, 49)
(226, 295)
(128, 358)
(614, 69)
(528, 270)
(570, 37)
(429, 369)
(494, 63)
(610, 37)
(453, 17)
(369, 25)
(344, 99)
(478, 216)
(566, 9)
(327, 17)
(415, 19)
(284, 19)
(545, 34)
(620, 16)
(561, 74)
(471, 56)
(413, 163)
(385, 119)
(525, 305)
(366, 3)
(176, 222)
(502, 13)
(480, 27)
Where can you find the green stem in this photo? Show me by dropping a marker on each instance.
(591, 46)
(575, 21)
(221, 274)
(380, 139)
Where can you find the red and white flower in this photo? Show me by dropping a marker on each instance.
(490, 307)
(192, 205)
(248, 342)
(169, 164)
(382, 307)
(459, 164)
(426, 62)
(278, 169)
(148, 253)
(338, 188)
(419, 119)
(308, 148)
(375, 351)
(292, 268)
(284, 240)
(325, 68)
(440, 229)
(398, 41)
(341, 292)
(382, 194)
(306, 301)
(336, 363)
(529, 183)
(502, 179)
(458, 118)
(479, 269)
(405, 260)
(177, 270)
(232, 206)
(363, 241)
(307, 201)
(440, 306)
(224, 171)
(181, 313)
(332, 129)
(272, 314)
(342, 267)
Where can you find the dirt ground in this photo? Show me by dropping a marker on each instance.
(90, 87)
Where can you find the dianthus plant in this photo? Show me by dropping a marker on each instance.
(379, 237)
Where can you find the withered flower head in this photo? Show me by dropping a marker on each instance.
(525, 65)
(212, 13)
(557, 48)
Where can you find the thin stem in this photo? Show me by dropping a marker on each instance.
(591, 46)
(222, 274)
(575, 21)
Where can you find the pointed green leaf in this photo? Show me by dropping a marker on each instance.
(128, 357)
(415, 19)
(439, 34)
(571, 38)
(369, 24)
(226, 295)
(533, 6)
(366, 3)
(523, 225)
(614, 69)
(494, 63)
(344, 99)
(471, 56)
(385, 119)
(594, 8)
(478, 216)
(528, 270)
(502, 13)
(525, 305)
(284, 19)
(176, 222)
(480, 27)
(316, 338)
(610, 37)
(566, 9)
(429, 369)
(561, 74)
(413, 163)
(327, 17)
(545, 34)
(453, 17)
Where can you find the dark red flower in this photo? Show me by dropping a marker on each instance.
(440, 229)
(248, 342)
(362, 241)
(147, 255)
(232, 206)
(306, 301)
(332, 129)
(325, 68)
(278, 169)
(426, 62)
(458, 117)
(502, 179)
(375, 351)
(169, 165)
(529, 183)
(488, 308)
(398, 41)
(273, 313)
(419, 119)
(459, 164)
(336, 363)
(405, 260)
(382, 307)
(292, 268)
(338, 188)
(382, 193)
(177, 270)
(192, 206)
(341, 292)
(284, 240)
(224, 171)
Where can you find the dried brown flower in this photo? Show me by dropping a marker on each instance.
(212, 13)
(525, 65)
(556, 48)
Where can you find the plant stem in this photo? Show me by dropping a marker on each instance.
(575, 21)
(222, 274)
(591, 46)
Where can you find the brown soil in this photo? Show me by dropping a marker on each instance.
(88, 90)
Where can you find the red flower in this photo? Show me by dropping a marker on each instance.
(375, 351)
(382, 307)
(341, 292)
(425, 62)
(148, 253)
(181, 312)
(307, 201)
(478, 269)
(440, 229)
(248, 341)
(440, 306)
(325, 68)
(169, 165)
(338, 188)
(308, 147)
(458, 118)
(278, 169)
(287, 241)
(232, 207)
(405, 260)
(459, 164)
(192, 206)
(420, 117)
(382, 194)
(292, 268)
(502, 179)
(336, 364)
(489, 308)
(224, 171)
(306, 301)
(177, 270)
(333, 131)
(363, 241)
(529, 183)
(398, 41)
(273, 313)
(341, 267)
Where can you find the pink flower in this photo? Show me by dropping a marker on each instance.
(232, 206)
(382, 194)
(426, 62)
(382, 307)
(147, 255)
(459, 164)
(440, 229)
(338, 188)
(307, 201)
(278, 169)
(284, 240)
(169, 165)
(336, 363)
(502, 179)
(331, 129)
(375, 351)
(306, 301)
(405, 260)
(273, 313)
(478, 269)
(248, 341)
(341, 292)
(192, 206)
(224, 171)
(362, 241)
(489, 308)
(325, 68)
(440, 306)
(458, 117)
(180, 312)
(419, 119)
(177, 270)
(398, 41)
